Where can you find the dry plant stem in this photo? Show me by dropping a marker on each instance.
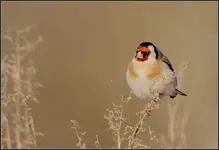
(4, 118)
(3, 64)
(121, 121)
(18, 87)
(27, 131)
(145, 112)
(118, 124)
(79, 135)
(97, 143)
(119, 141)
(81, 144)
(79, 138)
(116, 120)
(33, 131)
(176, 125)
(7, 132)
(18, 126)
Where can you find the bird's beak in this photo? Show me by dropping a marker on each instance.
(139, 55)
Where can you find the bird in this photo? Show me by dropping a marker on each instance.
(150, 70)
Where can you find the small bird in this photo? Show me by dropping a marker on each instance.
(150, 70)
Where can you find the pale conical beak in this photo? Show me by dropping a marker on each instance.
(139, 55)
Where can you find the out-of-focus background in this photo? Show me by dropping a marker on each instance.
(87, 47)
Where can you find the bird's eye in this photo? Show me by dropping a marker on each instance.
(146, 53)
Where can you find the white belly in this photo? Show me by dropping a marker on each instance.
(142, 86)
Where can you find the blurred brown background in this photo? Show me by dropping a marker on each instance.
(88, 44)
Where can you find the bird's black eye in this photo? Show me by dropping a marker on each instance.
(146, 53)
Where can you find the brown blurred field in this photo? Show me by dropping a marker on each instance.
(88, 44)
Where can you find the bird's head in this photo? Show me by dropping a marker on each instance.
(146, 51)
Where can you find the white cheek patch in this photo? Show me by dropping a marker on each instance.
(152, 55)
(151, 47)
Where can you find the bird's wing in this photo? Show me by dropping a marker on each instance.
(165, 59)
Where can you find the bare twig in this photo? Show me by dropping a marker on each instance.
(7, 131)
(143, 114)
(121, 130)
(81, 144)
(116, 120)
(97, 143)
(18, 90)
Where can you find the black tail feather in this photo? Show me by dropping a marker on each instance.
(180, 92)
(177, 92)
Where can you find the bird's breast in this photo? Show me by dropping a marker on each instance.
(145, 70)
(154, 70)
(142, 77)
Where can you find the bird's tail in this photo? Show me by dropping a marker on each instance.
(180, 93)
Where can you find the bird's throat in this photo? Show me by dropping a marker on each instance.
(142, 59)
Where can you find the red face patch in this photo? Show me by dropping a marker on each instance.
(143, 49)
(145, 52)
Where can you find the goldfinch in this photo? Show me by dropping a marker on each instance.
(150, 70)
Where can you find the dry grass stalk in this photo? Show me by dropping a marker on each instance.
(97, 143)
(18, 89)
(80, 136)
(176, 124)
(125, 135)
(81, 144)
